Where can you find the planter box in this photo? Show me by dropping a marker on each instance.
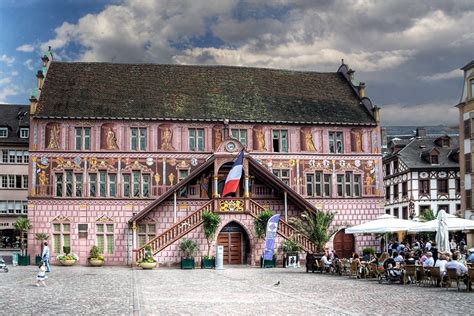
(38, 260)
(187, 263)
(291, 259)
(23, 260)
(96, 262)
(148, 265)
(68, 262)
(208, 263)
(268, 263)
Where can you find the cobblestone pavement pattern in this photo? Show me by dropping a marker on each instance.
(233, 291)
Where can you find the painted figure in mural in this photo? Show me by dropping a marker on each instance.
(260, 140)
(309, 141)
(166, 135)
(43, 180)
(369, 182)
(204, 185)
(171, 178)
(111, 140)
(54, 137)
(357, 139)
(218, 137)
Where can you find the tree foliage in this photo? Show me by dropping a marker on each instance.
(427, 215)
(22, 225)
(260, 223)
(210, 223)
(315, 226)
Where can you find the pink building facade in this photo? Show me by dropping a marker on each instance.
(124, 156)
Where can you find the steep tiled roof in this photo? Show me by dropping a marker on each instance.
(413, 153)
(13, 116)
(211, 93)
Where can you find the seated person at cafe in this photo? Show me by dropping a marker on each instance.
(429, 262)
(398, 257)
(383, 257)
(409, 258)
(470, 258)
(441, 264)
(327, 263)
(461, 269)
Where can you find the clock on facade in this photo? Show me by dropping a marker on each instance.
(230, 147)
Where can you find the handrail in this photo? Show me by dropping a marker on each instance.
(177, 231)
(284, 229)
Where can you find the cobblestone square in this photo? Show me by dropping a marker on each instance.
(233, 291)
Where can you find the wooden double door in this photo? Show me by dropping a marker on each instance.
(343, 244)
(232, 242)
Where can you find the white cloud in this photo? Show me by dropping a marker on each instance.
(8, 91)
(7, 59)
(5, 80)
(29, 64)
(429, 114)
(26, 48)
(14, 73)
(455, 73)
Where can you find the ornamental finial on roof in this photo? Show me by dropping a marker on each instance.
(342, 61)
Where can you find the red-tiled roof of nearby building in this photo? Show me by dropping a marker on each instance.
(210, 93)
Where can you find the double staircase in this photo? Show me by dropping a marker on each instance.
(192, 221)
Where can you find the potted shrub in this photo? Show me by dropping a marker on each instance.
(96, 259)
(210, 223)
(22, 225)
(41, 237)
(290, 250)
(189, 247)
(148, 261)
(67, 258)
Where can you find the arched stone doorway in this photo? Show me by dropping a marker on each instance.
(343, 244)
(236, 243)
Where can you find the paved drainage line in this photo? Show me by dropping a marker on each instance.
(136, 298)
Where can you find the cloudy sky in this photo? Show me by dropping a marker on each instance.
(407, 52)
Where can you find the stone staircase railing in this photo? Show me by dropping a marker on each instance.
(174, 233)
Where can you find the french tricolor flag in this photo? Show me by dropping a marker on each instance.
(233, 178)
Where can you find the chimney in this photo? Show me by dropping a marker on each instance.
(420, 132)
(40, 77)
(362, 89)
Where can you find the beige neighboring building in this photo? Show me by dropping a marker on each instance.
(466, 141)
(14, 139)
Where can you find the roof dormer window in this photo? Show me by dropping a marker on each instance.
(472, 87)
(3, 132)
(434, 159)
(24, 132)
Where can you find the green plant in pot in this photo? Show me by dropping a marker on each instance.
(189, 248)
(22, 225)
(41, 237)
(67, 258)
(148, 261)
(96, 259)
(290, 250)
(210, 223)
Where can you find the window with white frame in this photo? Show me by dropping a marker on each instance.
(13, 207)
(82, 138)
(14, 181)
(280, 140)
(136, 184)
(146, 232)
(240, 135)
(336, 142)
(92, 184)
(14, 156)
(24, 132)
(196, 139)
(138, 138)
(3, 132)
(61, 237)
(105, 238)
(327, 185)
(283, 174)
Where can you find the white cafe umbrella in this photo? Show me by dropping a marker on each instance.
(382, 224)
(442, 233)
(454, 223)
